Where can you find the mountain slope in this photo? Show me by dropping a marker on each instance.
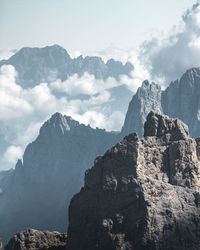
(39, 191)
(36, 65)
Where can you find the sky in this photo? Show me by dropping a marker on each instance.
(85, 25)
(160, 38)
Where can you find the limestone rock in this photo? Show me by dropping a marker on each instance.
(142, 194)
(31, 239)
(159, 125)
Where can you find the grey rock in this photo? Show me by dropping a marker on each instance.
(159, 125)
(36, 65)
(41, 186)
(142, 194)
(31, 239)
(180, 100)
(147, 98)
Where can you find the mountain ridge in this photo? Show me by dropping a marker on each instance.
(36, 65)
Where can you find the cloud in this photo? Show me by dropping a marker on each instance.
(13, 153)
(167, 59)
(84, 85)
(139, 73)
(6, 54)
(23, 111)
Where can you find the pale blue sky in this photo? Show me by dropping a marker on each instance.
(85, 25)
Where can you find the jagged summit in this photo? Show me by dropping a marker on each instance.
(147, 98)
(51, 172)
(160, 125)
(142, 194)
(60, 123)
(48, 49)
(191, 76)
(36, 65)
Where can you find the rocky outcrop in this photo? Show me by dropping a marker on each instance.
(31, 239)
(180, 100)
(1, 245)
(36, 65)
(40, 188)
(142, 194)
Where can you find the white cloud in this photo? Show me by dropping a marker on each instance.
(13, 153)
(4, 55)
(167, 59)
(22, 111)
(84, 85)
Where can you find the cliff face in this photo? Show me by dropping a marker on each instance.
(39, 190)
(180, 100)
(142, 194)
(147, 98)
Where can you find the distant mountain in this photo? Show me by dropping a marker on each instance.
(181, 99)
(147, 98)
(38, 191)
(36, 65)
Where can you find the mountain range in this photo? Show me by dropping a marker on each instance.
(37, 193)
(143, 194)
(36, 65)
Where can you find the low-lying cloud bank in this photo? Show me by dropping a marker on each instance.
(22, 111)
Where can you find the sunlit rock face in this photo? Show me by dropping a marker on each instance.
(36, 65)
(180, 100)
(142, 194)
(38, 191)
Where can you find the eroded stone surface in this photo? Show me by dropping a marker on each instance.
(142, 194)
(31, 239)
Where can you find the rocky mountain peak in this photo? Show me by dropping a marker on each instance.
(30, 54)
(191, 77)
(147, 98)
(159, 125)
(142, 194)
(60, 123)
